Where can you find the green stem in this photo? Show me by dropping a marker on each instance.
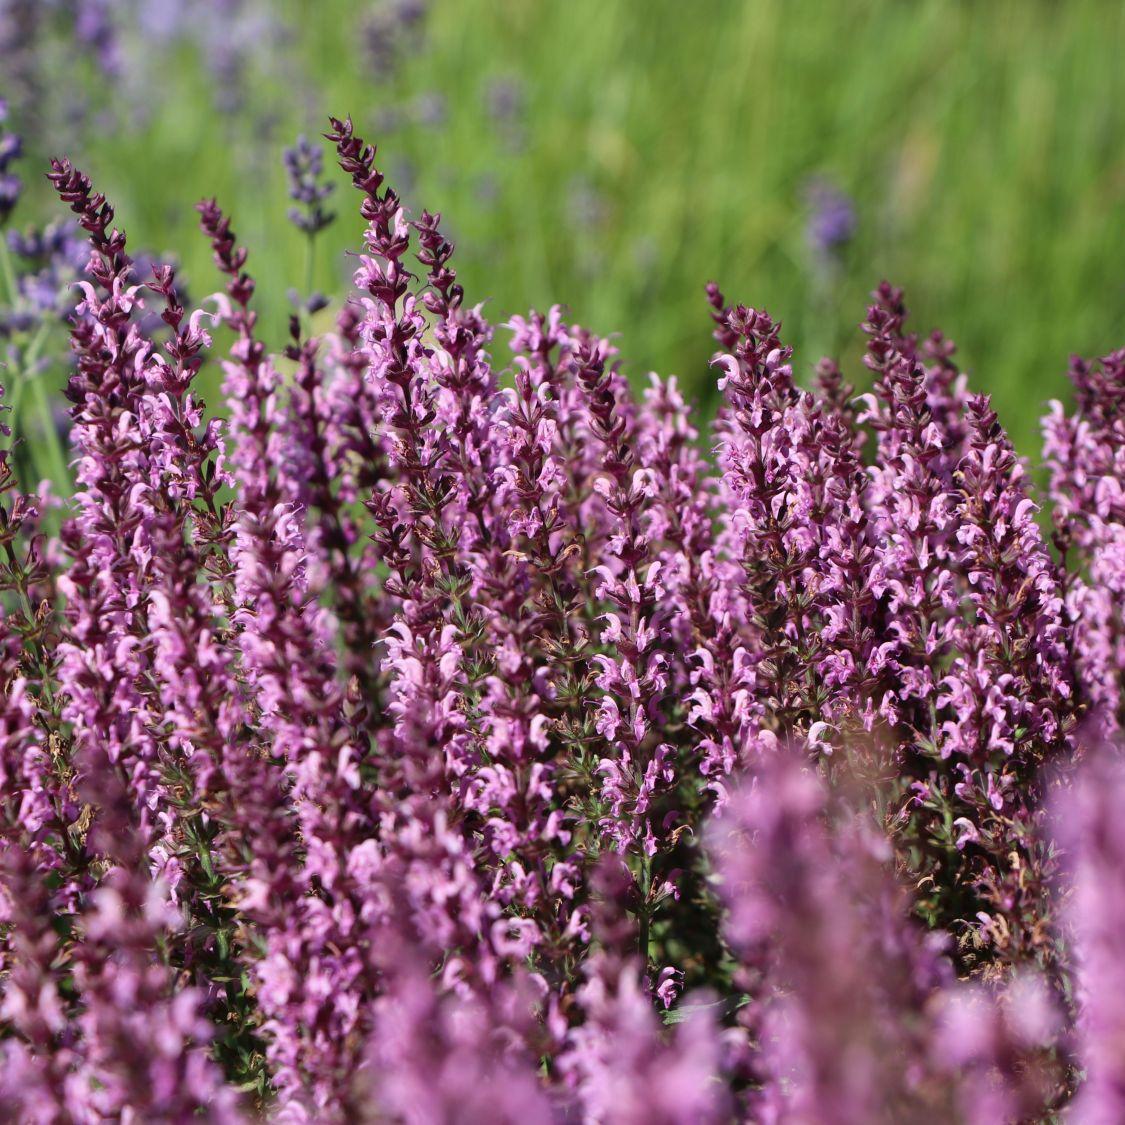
(7, 271)
(59, 472)
(14, 402)
(646, 919)
(310, 262)
(55, 458)
(31, 355)
(39, 653)
(306, 294)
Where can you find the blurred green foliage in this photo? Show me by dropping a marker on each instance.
(643, 147)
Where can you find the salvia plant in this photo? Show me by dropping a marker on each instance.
(430, 739)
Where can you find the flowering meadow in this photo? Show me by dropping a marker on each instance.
(981, 148)
(419, 736)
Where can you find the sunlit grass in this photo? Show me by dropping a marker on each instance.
(661, 144)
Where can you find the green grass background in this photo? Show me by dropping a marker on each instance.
(663, 143)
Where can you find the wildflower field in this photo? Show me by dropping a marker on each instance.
(414, 713)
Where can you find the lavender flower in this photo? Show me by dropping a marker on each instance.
(426, 649)
(1010, 687)
(393, 29)
(505, 101)
(11, 186)
(47, 262)
(796, 524)
(504, 98)
(555, 519)
(304, 165)
(831, 222)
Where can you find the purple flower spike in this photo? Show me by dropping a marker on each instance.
(832, 220)
(11, 186)
(304, 166)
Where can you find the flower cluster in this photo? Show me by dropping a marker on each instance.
(304, 166)
(429, 739)
(40, 267)
(125, 41)
(831, 221)
(10, 184)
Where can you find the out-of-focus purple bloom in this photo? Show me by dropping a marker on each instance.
(586, 206)
(94, 28)
(624, 1069)
(1089, 826)
(47, 262)
(429, 110)
(394, 28)
(504, 98)
(447, 1058)
(831, 222)
(45, 265)
(304, 166)
(236, 38)
(999, 1050)
(836, 1041)
(11, 147)
(161, 20)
